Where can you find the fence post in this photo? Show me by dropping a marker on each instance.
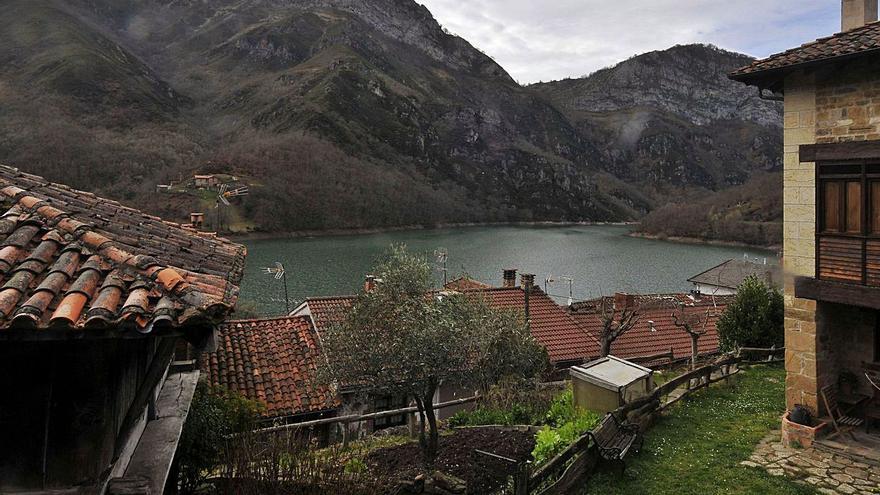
(521, 479)
(345, 434)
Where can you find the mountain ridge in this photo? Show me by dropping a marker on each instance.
(344, 114)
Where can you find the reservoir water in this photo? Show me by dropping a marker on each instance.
(599, 260)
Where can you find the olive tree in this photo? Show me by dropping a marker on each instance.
(403, 338)
(755, 318)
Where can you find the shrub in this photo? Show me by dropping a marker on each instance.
(214, 414)
(564, 425)
(512, 401)
(754, 319)
(550, 441)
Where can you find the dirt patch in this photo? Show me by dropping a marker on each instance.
(456, 456)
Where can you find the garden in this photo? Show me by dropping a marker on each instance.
(523, 435)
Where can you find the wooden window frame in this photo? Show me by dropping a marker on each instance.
(865, 178)
(389, 403)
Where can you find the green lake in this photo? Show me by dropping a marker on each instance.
(599, 259)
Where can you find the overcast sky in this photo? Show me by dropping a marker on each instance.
(541, 40)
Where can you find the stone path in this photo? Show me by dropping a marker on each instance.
(829, 473)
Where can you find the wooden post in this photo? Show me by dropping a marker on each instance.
(521, 479)
(345, 434)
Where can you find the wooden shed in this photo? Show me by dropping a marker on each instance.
(94, 299)
(607, 383)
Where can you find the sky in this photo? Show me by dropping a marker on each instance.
(543, 40)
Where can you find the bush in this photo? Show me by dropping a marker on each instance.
(564, 425)
(513, 401)
(482, 416)
(754, 319)
(214, 414)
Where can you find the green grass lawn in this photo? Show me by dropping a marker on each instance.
(697, 446)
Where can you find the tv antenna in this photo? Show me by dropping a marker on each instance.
(442, 256)
(224, 193)
(550, 280)
(280, 274)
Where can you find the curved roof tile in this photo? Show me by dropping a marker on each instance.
(69, 258)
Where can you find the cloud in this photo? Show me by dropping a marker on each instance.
(547, 40)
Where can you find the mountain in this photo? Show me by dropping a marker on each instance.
(351, 114)
(673, 117)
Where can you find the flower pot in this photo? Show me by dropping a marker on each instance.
(800, 436)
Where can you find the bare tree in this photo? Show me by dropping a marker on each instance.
(695, 323)
(617, 319)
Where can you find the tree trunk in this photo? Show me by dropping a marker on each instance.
(433, 434)
(423, 442)
(694, 350)
(606, 347)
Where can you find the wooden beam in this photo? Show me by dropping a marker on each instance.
(859, 150)
(837, 292)
(155, 452)
(156, 370)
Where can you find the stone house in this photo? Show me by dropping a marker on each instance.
(205, 181)
(831, 92)
(96, 300)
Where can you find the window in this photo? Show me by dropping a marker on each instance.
(848, 222)
(388, 403)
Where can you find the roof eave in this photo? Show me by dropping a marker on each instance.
(767, 78)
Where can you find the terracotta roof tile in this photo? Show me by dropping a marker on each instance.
(551, 326)
(69, 258)
(466, 283)
(272, 360)
(641, 340)
(848, 43)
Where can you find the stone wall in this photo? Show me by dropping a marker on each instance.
(838, 104)
(799, 238)
(848, 105)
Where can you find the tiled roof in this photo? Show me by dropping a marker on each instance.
(848, 43)
(273, 361)
(641, 341)
(733, 272)
(72, 260)
(329, 310)
(551, 326)
(465, 283)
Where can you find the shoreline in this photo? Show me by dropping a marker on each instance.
(253, 236)
(704, 242)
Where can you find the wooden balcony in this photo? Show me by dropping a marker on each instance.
(850, 259)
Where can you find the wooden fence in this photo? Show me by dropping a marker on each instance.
(357, 418)
(574, 465)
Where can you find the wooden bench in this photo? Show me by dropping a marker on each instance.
(615, 439)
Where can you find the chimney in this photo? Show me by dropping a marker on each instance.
(369, 283)
(856, 13)
(510, 277)
(196, 219)
(527, 280)
(623, 301)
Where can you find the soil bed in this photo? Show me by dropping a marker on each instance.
(456, 456)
